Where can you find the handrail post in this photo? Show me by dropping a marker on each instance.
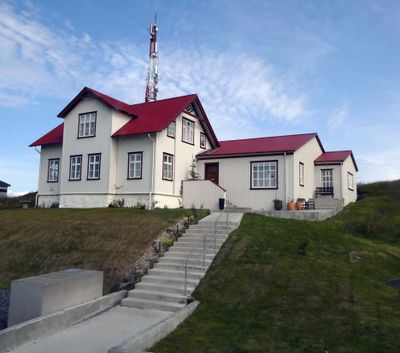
(185, 285)
(204, 252)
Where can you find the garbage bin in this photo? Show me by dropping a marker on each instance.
(221, 204)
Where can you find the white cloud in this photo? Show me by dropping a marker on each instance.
(338, 117)
(39, 61)
(382, 165)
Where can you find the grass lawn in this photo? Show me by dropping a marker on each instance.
(35, 241)
(296, 286)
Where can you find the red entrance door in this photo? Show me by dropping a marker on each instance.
(211, 172)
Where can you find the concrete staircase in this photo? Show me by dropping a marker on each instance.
(327, 203)
(163, 288)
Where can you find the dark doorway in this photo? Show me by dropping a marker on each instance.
(211, 172)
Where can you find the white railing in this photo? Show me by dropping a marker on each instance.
(202, 194)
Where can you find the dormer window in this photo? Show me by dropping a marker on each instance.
(171, 129)
(87, 125)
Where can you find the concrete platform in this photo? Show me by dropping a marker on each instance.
(308, 215)
(98, 334)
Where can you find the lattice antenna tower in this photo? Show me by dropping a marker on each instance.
(152, 67)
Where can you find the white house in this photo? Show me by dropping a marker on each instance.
(108, 150)
(3, 188)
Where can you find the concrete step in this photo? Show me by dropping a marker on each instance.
(181, 259)
(171, 253)
(195, 241)
(238, 210)
(151, 304)
(178, 266)
(202, 235)
(157, 295)
(211, 226)
(192, 274)
(206, 231)
(166, 288)
(169, 280)
(198, 249)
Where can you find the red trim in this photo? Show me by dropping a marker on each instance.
(277, 175)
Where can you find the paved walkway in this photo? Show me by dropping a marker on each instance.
(98, 334)
(108, 329)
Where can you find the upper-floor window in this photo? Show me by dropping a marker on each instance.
(264, 175)
(301, 173)
(350, 181)
(53, 170)
(75, 167)
(202, 140)
(168, 166)
(188, 131)
(171, 129)
(87, 125)
(135, 165)
(94, 161)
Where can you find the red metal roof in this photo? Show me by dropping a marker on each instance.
(52, 137)
(107, 100)
(260, 145)
(335, 157)
(154, 116)
(146, 117)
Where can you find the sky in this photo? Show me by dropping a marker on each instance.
(260, 68)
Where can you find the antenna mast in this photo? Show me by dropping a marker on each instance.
(152, 67)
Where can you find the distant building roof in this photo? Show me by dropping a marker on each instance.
(260, 145)
(146, 117)
(4, 184)
(52, 137)
(335, 157)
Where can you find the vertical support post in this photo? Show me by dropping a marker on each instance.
(204, 252)
(185, 284)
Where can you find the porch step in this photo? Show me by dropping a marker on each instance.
(192, 274)
(179, 289)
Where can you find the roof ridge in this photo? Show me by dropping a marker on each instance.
(164, 99)
(265, 137)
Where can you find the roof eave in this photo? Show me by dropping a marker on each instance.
(249, 154)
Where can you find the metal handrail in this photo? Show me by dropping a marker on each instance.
(206, 246)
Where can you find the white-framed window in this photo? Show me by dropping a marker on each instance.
(87, 125)
(168, 166)
(264, 175)
(350, 181)
(301, 173)
(171, 129)
(75, 167)
(135, 160)
(202, 140)
(94, 162)
(53, 170)
(327, 178)
(188, 131)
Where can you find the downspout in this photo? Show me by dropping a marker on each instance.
(285, 177)
(152, 170)
(37, 194)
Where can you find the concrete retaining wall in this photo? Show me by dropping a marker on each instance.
(45, 325)
(45, 294)
(151, 336)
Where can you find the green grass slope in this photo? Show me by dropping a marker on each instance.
(35, 241)
(295, 286)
